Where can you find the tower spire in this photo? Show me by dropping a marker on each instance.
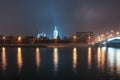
(55, 33)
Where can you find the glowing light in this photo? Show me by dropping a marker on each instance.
(4, 38)
(19, 38)
(102, 35)
(74, 58)
(113, 38)
(55, 33)
(103, 58)
(108, 36)
(4, 61)
(38, 36)
(117, 33)
(107, 33)
(37, 58)
(19, 59)
(55, 58)
(111, 30)
(111, 59)
(99, 39)
(89, 57)
(74, 37)
(118, 61)
(98, 58)
(111, 35)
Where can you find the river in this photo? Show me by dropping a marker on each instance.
(70, 63)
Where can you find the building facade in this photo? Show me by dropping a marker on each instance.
(55, 33)
(41, 35)
(84, 37)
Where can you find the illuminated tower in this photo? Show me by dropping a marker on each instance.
(55, 33)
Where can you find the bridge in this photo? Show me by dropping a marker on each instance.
(110, 39)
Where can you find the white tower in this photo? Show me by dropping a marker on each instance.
(55, 33)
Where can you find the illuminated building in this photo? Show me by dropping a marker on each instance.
(84, 37)
(41, 35)
(55, 33)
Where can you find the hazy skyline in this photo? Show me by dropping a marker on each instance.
(29, 17)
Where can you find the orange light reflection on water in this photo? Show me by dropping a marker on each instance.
(74, 58)
(98, 58)
(38, 58)
(89, 57)
(19, 59)
(101, 58)
(4, 61)
(55, 58)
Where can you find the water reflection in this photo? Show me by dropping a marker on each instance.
(101, 58)
(101, 62)
(98, 58)
(111, 62)
(4, 62)
(74, 58)
(19, 59)
(109, 58)
(89, 57)
(37, 58)
(55, 58)
(118, 61)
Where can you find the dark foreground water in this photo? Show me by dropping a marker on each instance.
(59, 63)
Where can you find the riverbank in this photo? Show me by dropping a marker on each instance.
(47, 45)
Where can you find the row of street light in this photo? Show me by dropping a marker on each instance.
(107, 35)
(19, 39)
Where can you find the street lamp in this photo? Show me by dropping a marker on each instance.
(111, 31)
(89, 40)
(19, 39)
(74, 37)
(4, 39)
(99, 39)
(117, 33)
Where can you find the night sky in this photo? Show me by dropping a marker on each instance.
(29, 17)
